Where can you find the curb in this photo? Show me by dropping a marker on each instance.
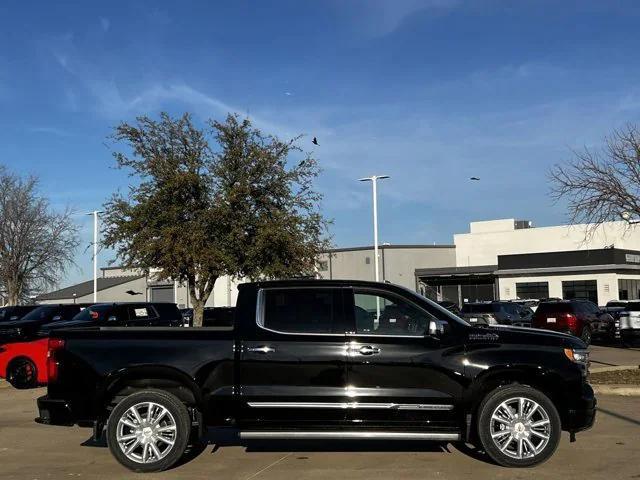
(620, 390)
(613, 368)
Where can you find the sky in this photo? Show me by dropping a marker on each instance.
(430, 92)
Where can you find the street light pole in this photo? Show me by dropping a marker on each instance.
(374, 182)
(95, 254)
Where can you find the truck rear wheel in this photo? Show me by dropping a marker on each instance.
(518, 426)
(148, 431)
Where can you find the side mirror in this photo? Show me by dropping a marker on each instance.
(436, 329)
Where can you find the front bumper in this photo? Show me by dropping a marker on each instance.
(54, 412)
(582, 414)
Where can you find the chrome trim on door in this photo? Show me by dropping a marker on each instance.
(353, 405)
(360, 435)
(261, 349)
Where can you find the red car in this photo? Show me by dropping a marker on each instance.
(24, 364)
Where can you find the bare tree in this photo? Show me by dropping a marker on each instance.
(602, 185)
(36, 243)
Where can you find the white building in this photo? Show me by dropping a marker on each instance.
(509, 259)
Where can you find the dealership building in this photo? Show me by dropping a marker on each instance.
(497, 259)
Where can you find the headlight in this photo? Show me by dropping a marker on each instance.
(580, 356)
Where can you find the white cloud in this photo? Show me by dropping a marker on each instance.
(105, 24)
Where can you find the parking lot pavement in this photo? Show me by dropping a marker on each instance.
(605, 356)
(31, 451)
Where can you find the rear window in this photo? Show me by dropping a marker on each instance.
(480, 308)
(553, 308)
(633, 307)
(168, 311)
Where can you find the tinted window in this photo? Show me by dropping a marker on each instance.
(532, 290)
(633, 307)
(480, 308)
(168, 311)
(384, 314)
(553, 307)
(98, 313)
(303, 310)
(586, 289)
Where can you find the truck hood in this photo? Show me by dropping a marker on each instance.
(524, 336)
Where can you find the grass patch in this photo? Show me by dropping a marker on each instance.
(617, 377)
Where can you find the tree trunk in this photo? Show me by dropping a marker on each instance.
(199, 292)
(198, 311)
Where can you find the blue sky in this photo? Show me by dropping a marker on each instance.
(430, 92)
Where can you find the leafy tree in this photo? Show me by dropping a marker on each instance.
(602, 185)
(214, 202)
(37, 244)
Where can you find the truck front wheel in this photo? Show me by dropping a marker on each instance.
(148, 431)
(518, 426)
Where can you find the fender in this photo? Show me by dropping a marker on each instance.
(115, 381)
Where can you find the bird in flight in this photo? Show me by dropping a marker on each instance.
(131, 292)
(475, 178)
(315, 141)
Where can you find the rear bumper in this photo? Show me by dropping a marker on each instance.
(582, 415)
(54, 412)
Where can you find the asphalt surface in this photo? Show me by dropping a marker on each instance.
(31, 451)
(603, 356)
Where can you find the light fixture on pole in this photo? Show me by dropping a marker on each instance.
(95, 254)
(374, 182)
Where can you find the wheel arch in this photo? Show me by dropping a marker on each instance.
(123, 383)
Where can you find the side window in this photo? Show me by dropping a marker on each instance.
(137, 312)
(385, 314)
(302, 310)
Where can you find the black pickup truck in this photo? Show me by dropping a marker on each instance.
(315, 359)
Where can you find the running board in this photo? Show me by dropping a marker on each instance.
(348, 435)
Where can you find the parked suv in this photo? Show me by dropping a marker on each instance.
(630, 323)
(581, 318)
(494, 313)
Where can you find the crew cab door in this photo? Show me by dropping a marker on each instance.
(292, 367)
(399, 374)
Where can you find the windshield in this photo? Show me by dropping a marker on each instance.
(443, 313)
(41, 313)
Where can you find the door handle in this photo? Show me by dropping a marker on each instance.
(368, 350)
(263, 349)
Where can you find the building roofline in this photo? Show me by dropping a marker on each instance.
(387, 247)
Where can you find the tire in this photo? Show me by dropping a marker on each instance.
(519, 445)
(22, 373)
(586, 336)
(156, 445)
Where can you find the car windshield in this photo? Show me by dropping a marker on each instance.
(40, 313)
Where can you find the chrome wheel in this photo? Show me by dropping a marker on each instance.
(146, 432)
(520, 428)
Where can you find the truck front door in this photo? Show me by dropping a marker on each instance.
(292, 367)
(398, 374)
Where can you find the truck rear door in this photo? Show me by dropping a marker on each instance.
(292, 366)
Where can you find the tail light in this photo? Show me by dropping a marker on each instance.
(572, 322)
(54, 345)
